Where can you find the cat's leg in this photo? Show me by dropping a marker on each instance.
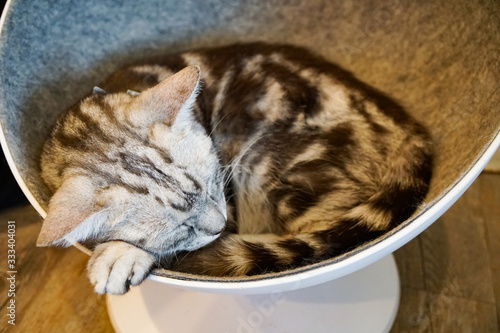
(116, 265)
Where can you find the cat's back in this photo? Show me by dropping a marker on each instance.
(250, 87)
(306, 140)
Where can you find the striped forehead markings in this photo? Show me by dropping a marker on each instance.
(143, 166)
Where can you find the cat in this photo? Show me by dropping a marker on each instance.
(229, 161)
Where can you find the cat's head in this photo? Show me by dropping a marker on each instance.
(135, 168)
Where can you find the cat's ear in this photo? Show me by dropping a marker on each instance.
(71, 205)
(169, 100)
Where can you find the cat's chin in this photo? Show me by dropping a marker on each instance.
(200, 242)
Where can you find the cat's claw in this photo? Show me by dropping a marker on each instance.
(115, 266)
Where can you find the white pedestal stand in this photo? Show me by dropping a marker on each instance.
(364, 301)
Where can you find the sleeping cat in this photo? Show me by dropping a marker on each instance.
(230, 161)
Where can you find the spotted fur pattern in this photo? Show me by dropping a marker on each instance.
(315, 162)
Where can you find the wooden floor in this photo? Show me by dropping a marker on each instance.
(450, 274)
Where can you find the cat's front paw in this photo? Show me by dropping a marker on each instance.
(114, 266)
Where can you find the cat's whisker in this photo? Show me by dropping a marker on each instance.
(179, 260)
(230, 197)
(236, 161)
(218, 123)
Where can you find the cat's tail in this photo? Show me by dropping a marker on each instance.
(247, 255)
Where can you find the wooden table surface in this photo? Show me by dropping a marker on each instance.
(450, 274)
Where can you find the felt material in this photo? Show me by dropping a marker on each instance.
(439, 60)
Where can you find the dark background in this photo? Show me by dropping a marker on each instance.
(10, 193)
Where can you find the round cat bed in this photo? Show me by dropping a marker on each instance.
(439, 60)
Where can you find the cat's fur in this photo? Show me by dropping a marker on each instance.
(315, 163)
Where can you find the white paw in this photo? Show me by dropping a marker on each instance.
(114, 266)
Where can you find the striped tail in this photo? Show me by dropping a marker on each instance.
(247, 255)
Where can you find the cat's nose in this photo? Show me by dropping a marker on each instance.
(213, 222)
